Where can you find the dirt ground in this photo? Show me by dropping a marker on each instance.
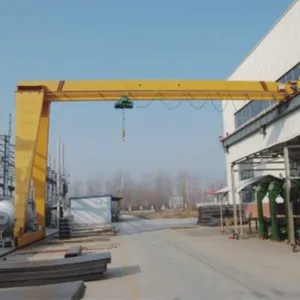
(171, 214)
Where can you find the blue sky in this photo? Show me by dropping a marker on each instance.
(166, 39)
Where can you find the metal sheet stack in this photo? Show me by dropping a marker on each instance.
(209, 215)
(67, 291)
(42, 272)
(65, 227)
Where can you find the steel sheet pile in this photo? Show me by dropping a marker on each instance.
(30, 273)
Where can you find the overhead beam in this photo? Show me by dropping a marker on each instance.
(111, 90)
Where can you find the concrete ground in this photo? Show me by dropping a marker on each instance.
(151, 263)
(150, 260)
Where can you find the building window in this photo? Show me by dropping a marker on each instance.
(254, 108)
(248, 196)
(246, 170)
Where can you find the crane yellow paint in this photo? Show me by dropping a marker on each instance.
(112, 90)
(33, 101)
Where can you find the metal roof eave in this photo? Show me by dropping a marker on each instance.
(251, 182)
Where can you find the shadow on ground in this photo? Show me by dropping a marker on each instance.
(139, 230)
(118, 272)
(128, 218)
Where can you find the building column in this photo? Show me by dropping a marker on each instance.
(233, 191)
(274, 190)
(260, 193)
(289, 206)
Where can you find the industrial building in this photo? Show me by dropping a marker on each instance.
(249, 127)
(261, 138)
(95, 210)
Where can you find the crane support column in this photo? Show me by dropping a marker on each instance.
(32, 125)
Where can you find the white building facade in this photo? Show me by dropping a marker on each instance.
(251, 126)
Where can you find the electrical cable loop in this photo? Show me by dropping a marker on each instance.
(131, 97)
(190, 100)
(168, 107)
(222, 109)
(143, 106)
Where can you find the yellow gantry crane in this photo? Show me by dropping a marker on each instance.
(33, 101)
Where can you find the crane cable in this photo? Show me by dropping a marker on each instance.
(169, 108)
(144, 106)
(217, 109)
(190, 103)
(123, 125)
(194, 106)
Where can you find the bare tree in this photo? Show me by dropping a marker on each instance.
(77, 189)
(152, 189)
(183, 186)
(163, 188)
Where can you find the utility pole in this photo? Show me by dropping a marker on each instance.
(54, 185)
(64, 177)
(6, 160)
(122, 184)
(48, 180)
(58, 200)
(187, 189)
(10, 125)
(63, 158)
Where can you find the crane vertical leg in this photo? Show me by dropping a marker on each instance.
(39, 170)
(32, 123)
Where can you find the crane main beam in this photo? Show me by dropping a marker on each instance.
(33, 101)
(139, 90)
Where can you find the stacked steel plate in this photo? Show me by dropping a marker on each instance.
(65, 227)
(31, 273)
(67, 291)
(96, 230)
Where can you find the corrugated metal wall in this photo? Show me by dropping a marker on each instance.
(277, 53)
(91, 210)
